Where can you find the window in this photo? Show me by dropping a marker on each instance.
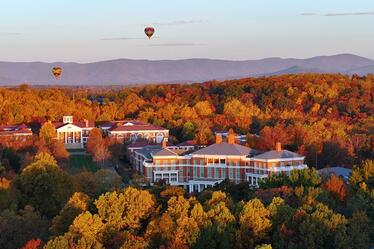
(224, 173)
(201, 172)
(216, 173)
(157, 177)
(195, 171)
(173, 177)
(237, 174)
(210, 170)
(223, 161)
(231, 173)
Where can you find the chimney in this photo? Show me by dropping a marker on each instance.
(231, 137)
(164, 142)
(86, 123)
(218, 138)
(278, 146)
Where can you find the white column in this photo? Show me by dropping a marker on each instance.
(190, 187)
(81, 137)
(66, 137)
(73, 137)
(198, 188)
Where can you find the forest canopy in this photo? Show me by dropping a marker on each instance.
(326, 117)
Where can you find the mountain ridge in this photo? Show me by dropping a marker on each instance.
(141, 71)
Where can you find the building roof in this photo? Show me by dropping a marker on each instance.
(140, 143)
(274, 154)
(82, 124)
(123, 126)
(6, 130)
(338, 171)
(187, 143)
(165, 152)
(224, 149)
(149, 150)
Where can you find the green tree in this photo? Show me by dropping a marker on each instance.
(16, 228)
(48, 132)
(125, 209)
(359, 231)
(77, 204)
(188, 131)
(43, 185)
(254, 223)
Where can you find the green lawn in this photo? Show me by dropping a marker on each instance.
(78, 163)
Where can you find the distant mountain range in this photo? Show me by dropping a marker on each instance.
(126, 71)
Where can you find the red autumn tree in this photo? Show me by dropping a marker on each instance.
(336, 186)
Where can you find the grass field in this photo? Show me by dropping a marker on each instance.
(80, 162)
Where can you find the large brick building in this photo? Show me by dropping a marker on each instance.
(16, 135)
(196, 170)
(134, 130)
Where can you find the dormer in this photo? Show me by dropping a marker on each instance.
(128, 124)
(67, 119)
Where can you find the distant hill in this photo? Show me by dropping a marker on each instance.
(126, 71)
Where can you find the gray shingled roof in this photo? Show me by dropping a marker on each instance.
(273, 154)
(165, 152)
(148, 150)
(338, 171)
(224, 149)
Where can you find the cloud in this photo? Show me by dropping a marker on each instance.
(121, 38)
(179, 22)
(309, 14)
(8, 33)
(370, 13)
(177, 44)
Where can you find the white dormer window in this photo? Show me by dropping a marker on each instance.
(128, 124)
(68, 119)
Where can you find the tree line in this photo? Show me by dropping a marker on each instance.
(327, 118)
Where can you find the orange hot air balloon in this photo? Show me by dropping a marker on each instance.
(149, 31)
(57, 71)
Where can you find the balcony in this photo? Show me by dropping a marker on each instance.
(288, 168)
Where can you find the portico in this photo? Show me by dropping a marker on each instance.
(200, 185)
(71, 135)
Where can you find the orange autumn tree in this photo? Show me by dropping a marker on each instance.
(336, 186)
(97, 146)
(33, 244)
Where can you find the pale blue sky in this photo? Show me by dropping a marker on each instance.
(92, 30)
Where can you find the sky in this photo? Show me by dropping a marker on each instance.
(95, 30)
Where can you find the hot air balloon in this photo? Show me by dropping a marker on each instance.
(149, 31)
(57, 71)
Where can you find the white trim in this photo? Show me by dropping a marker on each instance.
(278, 160)
(138, 131)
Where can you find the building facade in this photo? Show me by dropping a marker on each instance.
(16, 135)
(73, 134)
(134, 130)
(196, 170)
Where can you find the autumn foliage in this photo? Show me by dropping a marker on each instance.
(336, 186)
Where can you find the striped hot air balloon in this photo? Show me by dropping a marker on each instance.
(149, 31)
(57, 71)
